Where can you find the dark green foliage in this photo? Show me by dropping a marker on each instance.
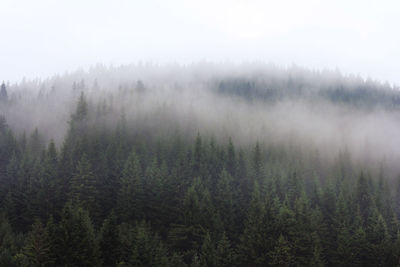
(282, 253)
(109, 242)
(9, 246)
(48, 185)
(77, 244)
(147, 248)
(84, 186)
(182, 201)
(38, 248)
(207, 252)
(225, 254)
(130, 196)
(254, 240)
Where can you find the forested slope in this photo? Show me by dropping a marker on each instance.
(199, 167)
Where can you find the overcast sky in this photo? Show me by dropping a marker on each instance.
(43, 37)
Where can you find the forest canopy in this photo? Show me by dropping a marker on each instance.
(199, 165)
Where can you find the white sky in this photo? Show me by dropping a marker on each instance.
(43, 37)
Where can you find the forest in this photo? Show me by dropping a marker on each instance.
(199, 165)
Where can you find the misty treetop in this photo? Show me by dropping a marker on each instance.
(203, 165)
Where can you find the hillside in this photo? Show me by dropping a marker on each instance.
(199, 165)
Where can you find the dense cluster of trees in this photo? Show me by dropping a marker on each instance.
(124, 197)
(366, 95)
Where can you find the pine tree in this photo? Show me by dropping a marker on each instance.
(282, 255)
(225, 255)
(154, 188)
(198, 156)
(81, 109)
(8, 246)
(48, 195)
(317, 259)
(84, 187)
(3, 93)
(199, 209)
(148, 249)
(79, 120)
(359, 248)
(231, 159)
(38, 247)
(207, 252)
(109, 243)
(253, 241)
(378, 239)
(344, 253)
(363, 197)
(36, 144)
(257, 164)
(78, 245)
(224, 200)
(131, 195)
(328, 209)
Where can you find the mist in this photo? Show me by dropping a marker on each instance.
(281, 107)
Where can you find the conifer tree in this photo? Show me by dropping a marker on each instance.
(38, 247)
(282, 255)
(130, 196)
(84, 187)
(109, 243)
(147, 250)
(231, 159)
(253, 242)
(207, 252)
(225, 255)
(3, 93)
(224, 200)
(78, 245)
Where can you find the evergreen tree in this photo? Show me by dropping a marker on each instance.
(109, 243)
(253, 241)
(231, 159)
(257, 164)
(78, 245)
(198, 156)
(207, 252)
(38, 247)
(147, 249)
(281, 255)
(317, 259)
(84, 187)
(3, 93)
(130, 196)
(363, 197)
(49, 185)
(225, 255)
(224, 200)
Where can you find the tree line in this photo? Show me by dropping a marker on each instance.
(124, 197)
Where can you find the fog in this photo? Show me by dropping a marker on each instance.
(167, 99)
(44, 37)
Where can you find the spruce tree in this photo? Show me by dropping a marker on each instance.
(78, 245)
(3, 93)
(38, 247)
(131, 195)
(225, 254)
(84, 187)
(109, 243)
(207, 252)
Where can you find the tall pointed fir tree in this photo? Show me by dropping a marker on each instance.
(84, 187)
(38, 246)
(131, 195)
(77, 242)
